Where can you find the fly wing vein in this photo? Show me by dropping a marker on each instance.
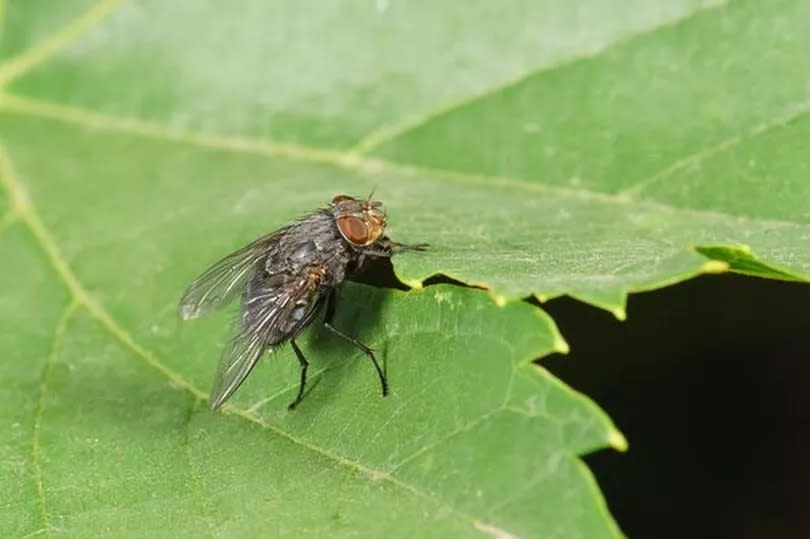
(265, 320)
(221, 283)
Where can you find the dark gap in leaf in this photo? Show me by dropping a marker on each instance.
(379, 272)
(441, 278)
(708, 380)
(532, 300)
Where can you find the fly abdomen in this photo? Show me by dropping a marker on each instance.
(279, 306)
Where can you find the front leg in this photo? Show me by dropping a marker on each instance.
(385, 247)
(403, 247)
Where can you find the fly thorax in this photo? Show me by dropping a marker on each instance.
(303, 251)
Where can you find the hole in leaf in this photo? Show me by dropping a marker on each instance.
(709, 380)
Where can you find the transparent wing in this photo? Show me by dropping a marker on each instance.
(223, 281)
(254, 331)
(272, 312)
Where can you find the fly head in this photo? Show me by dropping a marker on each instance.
(360, 222)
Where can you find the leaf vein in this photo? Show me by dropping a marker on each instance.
(516, 494)
(792, 113)
(16, 191)
(290, 387)
(348, 422)
(58, 41)
(405, 402)
(452, 434)
(387, 133)
(136, 127)
(36, 449)
(193, 471)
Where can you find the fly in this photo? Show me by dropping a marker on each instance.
(286, 279)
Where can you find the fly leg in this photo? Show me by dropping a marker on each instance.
(304, 365)
(331, 303)
(403, 247)
(386, 248)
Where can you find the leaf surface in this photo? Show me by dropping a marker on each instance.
(592, 149)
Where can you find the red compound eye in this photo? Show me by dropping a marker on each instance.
(341, 198)
(354, 229)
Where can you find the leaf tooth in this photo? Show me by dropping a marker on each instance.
(715, 266)
(617, 440)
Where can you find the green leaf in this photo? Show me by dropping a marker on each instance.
(591, 149)
(135, 450)
(603, 162)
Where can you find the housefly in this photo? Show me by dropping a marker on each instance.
(286, 279)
